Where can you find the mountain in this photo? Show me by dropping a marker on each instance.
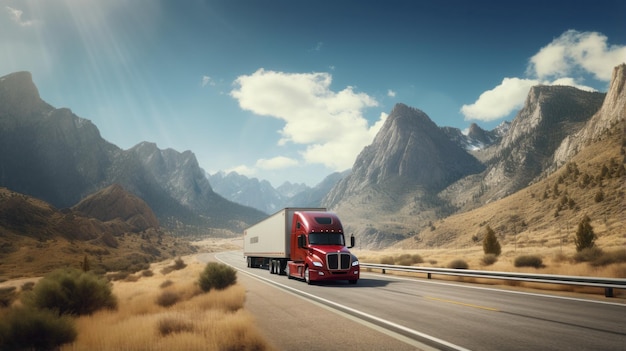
(56, 156)
(415, 174)
(394, 181)
(113, 229)
(313, 197)
(549, 115)
(261, 195)
(113, 203)
(288, 189)
(248, 191)
(476, 137)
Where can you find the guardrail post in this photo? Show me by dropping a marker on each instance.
(608, 292)
(428, 275)
(383, 271)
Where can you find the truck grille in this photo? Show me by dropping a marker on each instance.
(338, 261)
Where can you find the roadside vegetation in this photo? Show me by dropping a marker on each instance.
(165, 309)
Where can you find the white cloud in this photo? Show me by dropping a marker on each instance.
(575, 50)
(562, 62)
(391, 93)
(16, 16)
(206, 80)
(499, 101)
(329, 123)
(243, 170)
(278, 162)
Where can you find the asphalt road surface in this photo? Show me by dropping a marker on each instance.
(383, 312)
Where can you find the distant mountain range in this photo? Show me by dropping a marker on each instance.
(413, 174)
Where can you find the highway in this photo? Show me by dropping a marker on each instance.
(406, 313)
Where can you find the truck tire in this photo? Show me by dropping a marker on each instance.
(307, 275)
(287, 272)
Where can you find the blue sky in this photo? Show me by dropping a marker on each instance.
(293, 90)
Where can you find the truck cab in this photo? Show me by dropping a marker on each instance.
(318, 249)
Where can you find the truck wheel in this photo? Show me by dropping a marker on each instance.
(307, 275)
(271, 266)
(287, 272)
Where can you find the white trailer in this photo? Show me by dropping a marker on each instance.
(270, 238)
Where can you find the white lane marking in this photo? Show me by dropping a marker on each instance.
(338, 309)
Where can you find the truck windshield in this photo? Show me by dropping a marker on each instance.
(326, 239)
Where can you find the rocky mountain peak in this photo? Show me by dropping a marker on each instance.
(19, 95)
(409, 147)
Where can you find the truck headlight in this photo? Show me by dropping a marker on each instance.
(355, 263)
(318, 264)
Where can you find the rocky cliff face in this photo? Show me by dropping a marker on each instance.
(550, 115)
(612, 112)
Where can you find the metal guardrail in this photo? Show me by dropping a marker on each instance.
(607, 283)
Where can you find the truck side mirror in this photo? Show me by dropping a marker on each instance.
(352, 241)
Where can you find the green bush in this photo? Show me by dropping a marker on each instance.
(32, 329)
(72, 291)
(529, 261)
(458, 264)
(217, 276)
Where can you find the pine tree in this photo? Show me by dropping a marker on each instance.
(585, 237)
(490, 243)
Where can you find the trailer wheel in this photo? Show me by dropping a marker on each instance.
(249, 262)
(307, 275)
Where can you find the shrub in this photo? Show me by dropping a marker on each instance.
(490, 243)
(217, 276)
(28, 328)
(179, 264)
(458, 264)
(489, 259)
(166, 283)
(409, 260)
(585, 237)
(588, 254)
(173, 325)
(72, 291)
(529, 261)
(167, 298)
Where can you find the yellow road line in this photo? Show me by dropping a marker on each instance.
(462, 304)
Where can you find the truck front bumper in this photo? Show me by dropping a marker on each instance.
(322, 275)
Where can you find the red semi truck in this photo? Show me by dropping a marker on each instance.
(302, 243)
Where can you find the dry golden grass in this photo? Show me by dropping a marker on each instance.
(198, 321)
